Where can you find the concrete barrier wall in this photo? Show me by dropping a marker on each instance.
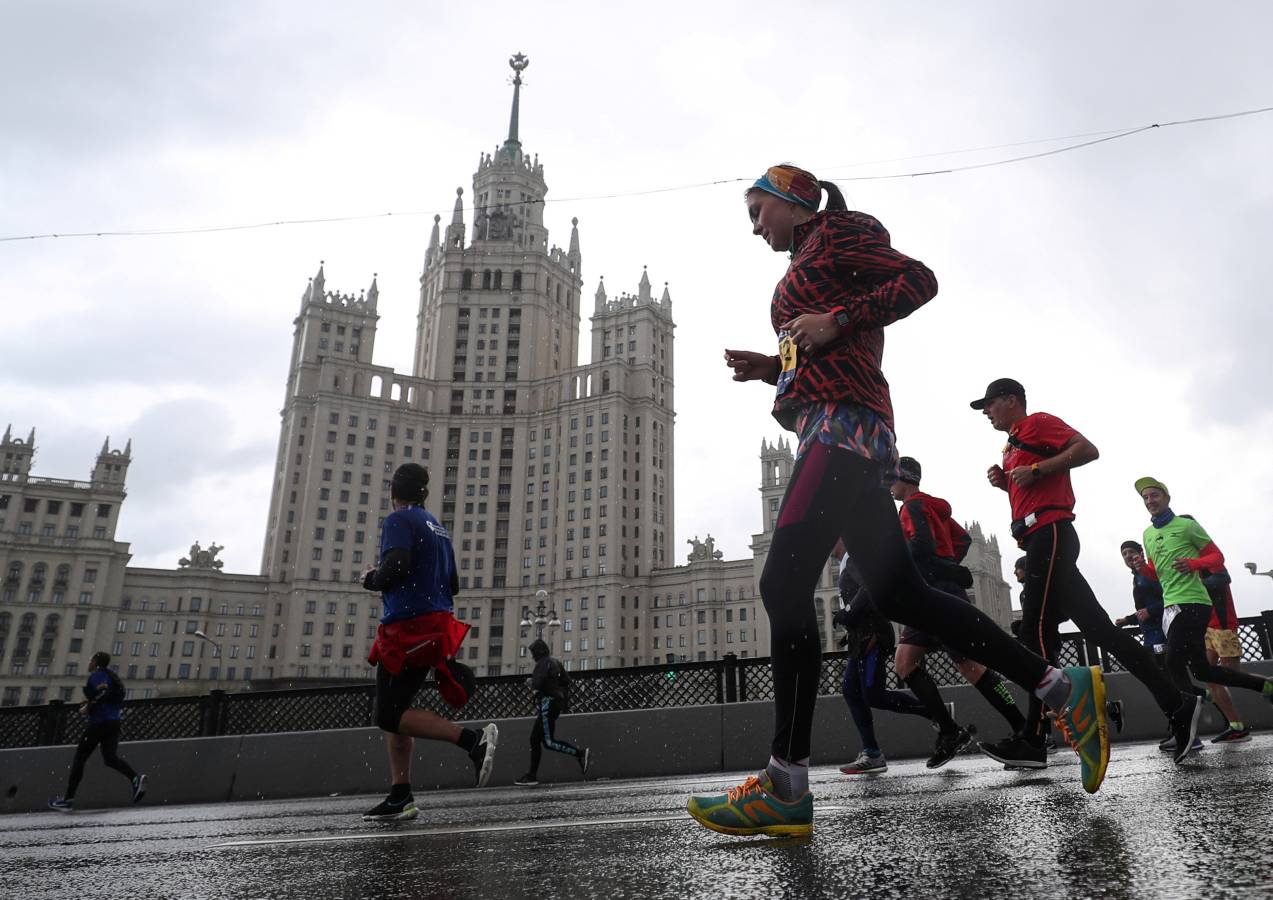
(631, 744)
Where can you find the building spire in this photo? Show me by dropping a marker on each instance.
(457, 216)
(517, 62)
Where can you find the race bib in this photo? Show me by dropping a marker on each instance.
(786, 360)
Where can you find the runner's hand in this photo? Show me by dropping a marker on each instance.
(1142, 615)
(751, 366)
(1181, 565)
(995, 475)
(1023, 475)
(812, 331)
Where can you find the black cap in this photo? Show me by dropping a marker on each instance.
(1000, 387)
(410, 483)
(908, 470)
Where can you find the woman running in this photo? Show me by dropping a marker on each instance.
(844, 284)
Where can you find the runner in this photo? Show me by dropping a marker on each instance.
(1035, 473)
(551, 683)
(870, 641)
(1224, 648)
(1179, 550)
(103, 694)
(418, 633)
(844, 284)
(1147, 596)
(938, 545)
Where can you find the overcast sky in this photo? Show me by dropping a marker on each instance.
(1126, 285)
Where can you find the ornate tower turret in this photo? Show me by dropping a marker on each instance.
(112, 465)
(776, 463)
(455, 231)
(16, 456)
(508, 272)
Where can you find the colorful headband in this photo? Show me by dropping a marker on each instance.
(793, 185)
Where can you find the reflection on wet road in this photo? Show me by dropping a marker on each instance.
(970, 829)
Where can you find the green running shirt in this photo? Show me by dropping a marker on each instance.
(1179, 538)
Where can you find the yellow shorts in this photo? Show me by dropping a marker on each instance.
(1224, 643)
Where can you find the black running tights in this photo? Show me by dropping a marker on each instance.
(1055, 590)
(1187, 652)
(834, 493)
(107, 735)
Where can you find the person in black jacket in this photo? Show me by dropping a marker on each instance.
(551, 684)
(870, 641)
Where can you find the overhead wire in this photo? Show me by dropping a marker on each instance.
(1098, 137)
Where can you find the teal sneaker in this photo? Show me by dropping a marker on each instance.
(752, 808)
(1082, 723)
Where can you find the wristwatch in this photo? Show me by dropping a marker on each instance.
(841, 316)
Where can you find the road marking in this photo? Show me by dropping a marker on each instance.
(470, 829)
(477, 829)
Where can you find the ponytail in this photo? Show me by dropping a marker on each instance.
(835, 199)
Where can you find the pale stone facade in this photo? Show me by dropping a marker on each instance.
(548, 474)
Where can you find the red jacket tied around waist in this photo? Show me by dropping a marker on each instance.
(423, 642)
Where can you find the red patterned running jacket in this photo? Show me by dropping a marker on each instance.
(844, 260)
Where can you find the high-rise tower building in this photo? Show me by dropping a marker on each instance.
(547, 472)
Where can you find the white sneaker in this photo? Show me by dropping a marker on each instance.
(483, 754)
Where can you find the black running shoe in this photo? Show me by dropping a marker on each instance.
(390, 810)
(584, 759)
(950, 744)
(527, 780)
(1016, 752)
(483, 754)
(1114, 712)
(1184, 727)
(1232, 735)
(139, 788)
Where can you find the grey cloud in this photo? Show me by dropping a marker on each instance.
(177, 341)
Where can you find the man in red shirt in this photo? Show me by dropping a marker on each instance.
(1035, 472)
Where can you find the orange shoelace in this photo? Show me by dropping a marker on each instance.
(750, 786)
(1066, 734)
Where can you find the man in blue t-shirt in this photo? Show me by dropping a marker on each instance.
(418, 633)
(103, 694)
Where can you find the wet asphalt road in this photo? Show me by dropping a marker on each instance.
(969, 830)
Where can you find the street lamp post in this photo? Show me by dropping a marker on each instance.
(1250, 567)
(541, 616)
(216, 647)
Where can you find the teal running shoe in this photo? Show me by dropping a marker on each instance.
(752, 808)
(1082, 723)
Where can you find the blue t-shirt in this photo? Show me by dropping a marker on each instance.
(97, 685)
(431, 569)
